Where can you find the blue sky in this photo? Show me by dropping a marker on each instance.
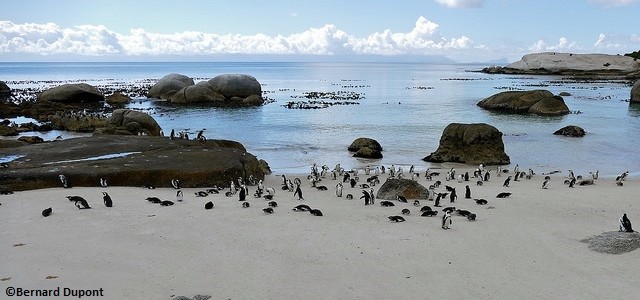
(461, 30)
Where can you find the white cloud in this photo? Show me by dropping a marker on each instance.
(617, 42)
(614, 2)
(463, 3)
(562, 45)
(49, 38)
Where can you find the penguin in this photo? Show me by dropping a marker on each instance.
(103, 182)
(245, 204)
(425, 208)
(149, 186)
(271, 191)
(272, 204)
(298, 192)
(65, 182)
(449, 209)
(166, 203)
(416, 203)
(429, 213)
(155, 200)
(446, 220)
(268, 210)
(367, 197)
(386, 203)
(47, 212)
(625, 224)
(481, 201)
(180, 196)
(201, 194)
(353, 182)
(242, 195)
(268, 197)
(75, 198)
(302, 207)
(175, 183)
(172, 135)
(487, 176)
(453, 196)
(572, 182)
(506, 181)
(440, 195)
(107, 200)
(406, 211)
(467, 192)
(373, 196)
(401, 198)
(503, 195)
(349, 197)
(208, 205)
(396, 219)
(339, 189)
(471, 217)
(316, 212)
(545, 184)
(463, 212)
(82, 204)
(322, 188)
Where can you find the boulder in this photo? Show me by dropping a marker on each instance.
(571, 130)
(5, 91)
(129, 161)
(200, 92)
(169, 85)
(541, 102)
(366, 152)
(8, 130)
(118, 99)
(562, 62)
(614, 242)
(635, 92)
(470, 144)
(403, 187)
(72, 93)
(236, 85)
(364, 142)
(31, 139)
(130, 120)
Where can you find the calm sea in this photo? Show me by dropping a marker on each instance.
(405, 107)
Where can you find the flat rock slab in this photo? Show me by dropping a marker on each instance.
(128, 161)
(614, 242)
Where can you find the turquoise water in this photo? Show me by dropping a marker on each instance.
(405, 107)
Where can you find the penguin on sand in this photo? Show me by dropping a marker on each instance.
(298, 192)
(625, 224)
(107, 200)
(467, 192)
(446, 220)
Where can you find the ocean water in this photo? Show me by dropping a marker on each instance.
(405, 107)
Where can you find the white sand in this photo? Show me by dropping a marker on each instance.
(525, 247)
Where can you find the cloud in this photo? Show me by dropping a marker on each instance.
(92, 40)
(563, 45)
(463, 3)
(614, 2)
(617, 42)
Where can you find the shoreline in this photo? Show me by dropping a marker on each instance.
(136, 249)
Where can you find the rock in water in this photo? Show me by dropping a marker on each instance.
(471, 144)
(571, 130)
(541, 102)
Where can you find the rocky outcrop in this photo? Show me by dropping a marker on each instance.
(5, 91)
(541, 102)
(128, 161)
(402, 187)
(570, 64)
(571, 130)
(118, 99)
(236, 85)
(130, 122)
(366, 148)
(201, 92)
(72, 93)
(6, 130)
(470, 144)
(635, 92)
(31, 139)
(169, 85)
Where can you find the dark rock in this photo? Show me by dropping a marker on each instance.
(118, 99)
(8, 130)
(132, 121)
(169, 85)
(364, 142)
(366, 152)
(236, 85)
(470, 144)
(72, 93)
(402, 187)
(571, 130)
(5, 91)
(614, 242)
(11, 143)
(635, 92)
(540, 102)
(150, 160)
(564, 94)
(200, 92)
(31, 139)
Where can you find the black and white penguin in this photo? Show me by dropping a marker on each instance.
(471, 217)
(242, 195)
(268, 210)
(440, 196)
(272, 204)
(406, 211)
(107, 199)
(166, 203)
(487, 176)
(175, 183)
(503, 195)
(545, 184)
(396, 219)
(353, 182)
(302, 207)
(298, 193)
(416, 203)
(149, 186)
(103, 183)
(401, 198)
(453, 196)
(625, 224)
(154, 200)
(349, 197)
(245, 204)
(322, 188)
(82, 204)
(65, 182)
(339, 189)
(75, 198)
(425, 208)
(208, 205)
(367, 197)
(201, 194)
(180, 196)
(507, 181)
(386, 203)
(446, 220)
(467, 192)
(481, 201)
(449, 209)
(463, 212)
(47, 212)
(429, 213)
(316, 212)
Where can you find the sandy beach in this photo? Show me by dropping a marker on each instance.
(527, 246)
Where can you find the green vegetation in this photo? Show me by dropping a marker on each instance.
(634, 54)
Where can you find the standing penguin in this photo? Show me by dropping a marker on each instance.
(506, 181)
(453, 196)
(242, 195)
(298, 192)
(625, 224)
(107, 200)
(179, 196)
(487, 176)
(446, 220)
(467, 192)
(545, 184)
(373, 196)
(367, 197)
(339, 189)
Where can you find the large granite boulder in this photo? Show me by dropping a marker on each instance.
(129, 161)
(118, 99)
(201, 92)
(5, 91)
(169, 85)
(635, 92)
(72, 93)
(402, 187)
(571, 64)
(571, 130)
(236, 85)
(126, 121)
(470, 144)
(541, 102)
(364, 142)
(6, 130)
(366, 152)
